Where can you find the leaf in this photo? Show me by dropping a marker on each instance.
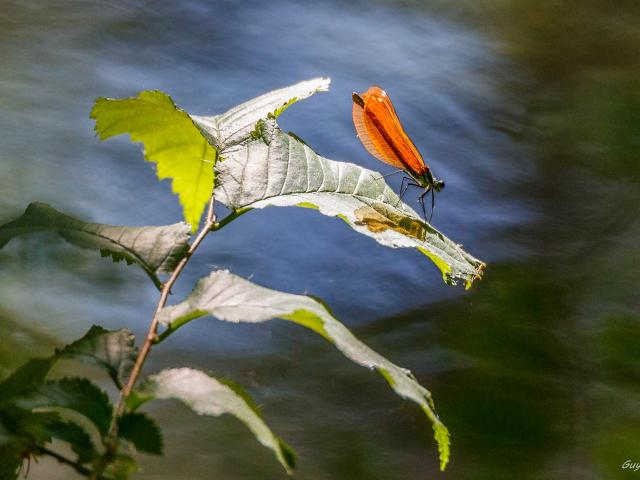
(263, 166)
(22, 433)
(142, 431)
(24, 378)
(231, 298)
(207, 396)
(156, 249)
(33, 426)
(11, 458)
(286, 172)
(171, 141)
(237, 125)
(77, 394)
(76, 437)
(112, 350)
(120, 468)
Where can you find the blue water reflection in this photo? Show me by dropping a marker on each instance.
(210, 58)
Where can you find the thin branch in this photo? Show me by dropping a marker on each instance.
(62, 459)
(111, 441)
(216, 226)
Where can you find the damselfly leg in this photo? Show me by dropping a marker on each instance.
(403, 188)
(421, 201)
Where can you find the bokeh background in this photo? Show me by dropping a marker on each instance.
(531, 112)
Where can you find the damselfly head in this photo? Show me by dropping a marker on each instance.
(438, 184)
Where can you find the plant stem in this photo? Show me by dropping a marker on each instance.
(232, 216)
(111, 443)
(216, 226)
(62, 459)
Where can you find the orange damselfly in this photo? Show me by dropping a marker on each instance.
(382, 134)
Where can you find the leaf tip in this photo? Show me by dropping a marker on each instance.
(288, 456)
(323, 84)
(442, 436)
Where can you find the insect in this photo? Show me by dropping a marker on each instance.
(382, 134)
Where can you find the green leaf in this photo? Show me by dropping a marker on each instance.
(19, 424)
(77, 394)
(285, 172)
(170, 140)
(25, 378)
(76, 437)
(142, 431)
(11, 458)
(22, 433)
(156, 249)
(136, 399)
(120, 468)
(241, 392)
(231, 298)
(112, 350)
(241, 122)
(207, 396)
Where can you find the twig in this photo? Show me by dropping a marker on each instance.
(216, 226)
(111, 442)
(232, 216)
(62, 459)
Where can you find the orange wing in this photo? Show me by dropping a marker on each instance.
(381, 132)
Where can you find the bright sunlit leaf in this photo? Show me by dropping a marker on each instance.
(171, 141)
(279, 170)
(237, 124)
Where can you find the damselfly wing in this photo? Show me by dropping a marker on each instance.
(382, 134)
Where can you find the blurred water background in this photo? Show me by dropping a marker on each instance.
(529, 110)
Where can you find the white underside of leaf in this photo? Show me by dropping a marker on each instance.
(207, 396)
(235, 125)
(232, 298)
(282, 171)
